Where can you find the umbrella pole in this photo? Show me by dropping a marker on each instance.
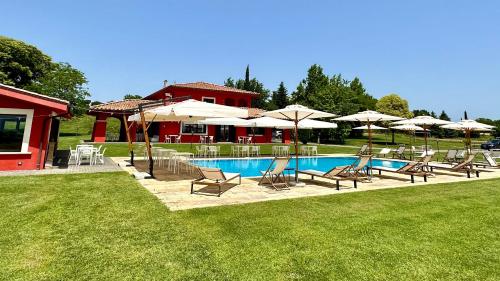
(148, 145)
(129, 140)
(425, 139)
(411, 150)
(370, 151)
(296, 121)
(369, 139)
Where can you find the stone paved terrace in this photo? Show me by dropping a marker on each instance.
(175, 194)
(109, 166)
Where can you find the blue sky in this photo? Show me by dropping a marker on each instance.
(437, 54)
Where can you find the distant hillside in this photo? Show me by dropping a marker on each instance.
(83, 125)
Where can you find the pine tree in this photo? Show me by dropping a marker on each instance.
(246, 85)
(444, 116)
(279, 98)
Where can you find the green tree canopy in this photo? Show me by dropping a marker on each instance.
(26, 67)
(332, 94)
(421, 112)
(393, 104)
(64, 82)
(21, 64)
(132, 97)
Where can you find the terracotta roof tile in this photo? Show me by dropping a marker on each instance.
(211, 87)
(117, 106)
(255, 112)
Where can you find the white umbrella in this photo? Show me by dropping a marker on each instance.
(468, 126)
(189, 110)
(296, 113)
(225, 121)
(269, 122)
(373, 127)
(425, 121)
(410, 128)
(368, 117)
(316, 124)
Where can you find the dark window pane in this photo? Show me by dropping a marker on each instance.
(11, 132)
(257, 131)
(194, 129)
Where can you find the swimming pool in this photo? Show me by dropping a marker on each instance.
(251, 167)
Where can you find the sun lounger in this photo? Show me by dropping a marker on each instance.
(214, 177)
(489, 161)
(276, 174)
(416, 168)
(399, 153)
(465, 166)
(450, 156)
(384, 152)
(333, 174)
(363, 150)
(354, 172)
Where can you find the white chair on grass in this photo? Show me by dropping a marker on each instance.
(255, 150)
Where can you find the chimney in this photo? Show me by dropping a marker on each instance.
(165, 83)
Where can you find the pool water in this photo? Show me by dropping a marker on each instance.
(251, 167)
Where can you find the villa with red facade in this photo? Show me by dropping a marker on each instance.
(201, 91)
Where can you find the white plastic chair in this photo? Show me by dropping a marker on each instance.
(314, 150)
(99, 156)
(73, 154)
(255, 150)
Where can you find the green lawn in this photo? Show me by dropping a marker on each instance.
(105, 226)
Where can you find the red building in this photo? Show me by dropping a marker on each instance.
(189, 132)
(29, 128)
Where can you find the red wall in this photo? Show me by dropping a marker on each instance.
(28, 161)
(225, 98)
(173, 128)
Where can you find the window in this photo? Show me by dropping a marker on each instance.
(207, 99)
(197, 129)
(15, 129)
(12, 132)
(258, 131)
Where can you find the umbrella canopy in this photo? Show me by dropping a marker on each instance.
(368, 117)
(425, 121)
(189, 110)
(468, 126)
(422, 120)
(269, 122)
(297, 113)
(373, 127)
(225, 121)
(408, 127)
(316, 124)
